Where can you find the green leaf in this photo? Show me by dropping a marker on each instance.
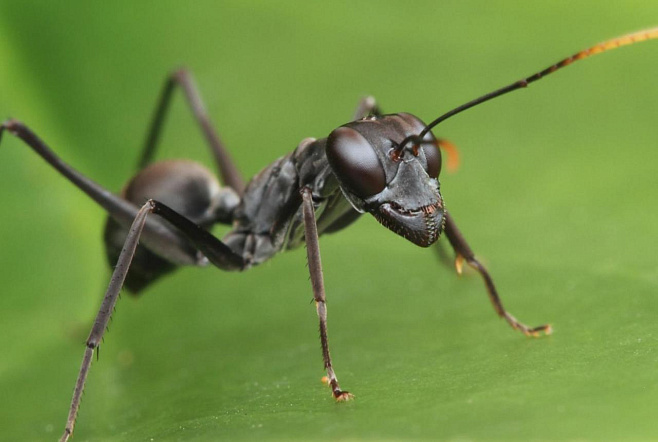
(555, 193)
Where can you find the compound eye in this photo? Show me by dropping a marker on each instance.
(355, 162)
(433, 156)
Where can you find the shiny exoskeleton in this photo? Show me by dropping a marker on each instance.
(402, 192)
(385, 165)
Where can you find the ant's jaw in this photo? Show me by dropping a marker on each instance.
(422, 226)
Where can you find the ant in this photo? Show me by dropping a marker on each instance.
(387, 165)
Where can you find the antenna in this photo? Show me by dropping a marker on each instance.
(624, 40)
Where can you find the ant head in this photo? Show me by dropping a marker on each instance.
(389, 165)
(386, 169)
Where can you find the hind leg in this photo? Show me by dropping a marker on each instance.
(182, 77)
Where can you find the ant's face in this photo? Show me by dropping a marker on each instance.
(398, 186)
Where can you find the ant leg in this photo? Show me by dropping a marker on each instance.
(464, 253)
(367, 106)
(216, 251)
(104, 313)
(315, 268)
(157, 235)
(154, 232)
(227, 169)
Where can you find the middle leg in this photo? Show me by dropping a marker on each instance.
(218, 253)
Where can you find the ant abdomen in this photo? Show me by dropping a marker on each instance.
(187, 187)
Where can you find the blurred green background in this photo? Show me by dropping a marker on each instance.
(556, 194)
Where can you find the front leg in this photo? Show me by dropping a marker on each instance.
(464, 253)
(317, 281)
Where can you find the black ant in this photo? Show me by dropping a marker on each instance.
(386, 165)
